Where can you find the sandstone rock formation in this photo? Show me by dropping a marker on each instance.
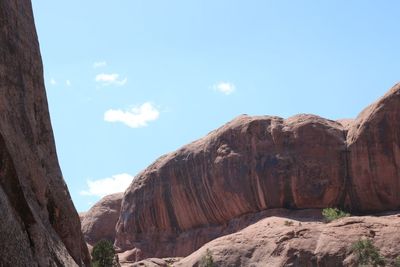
(273, 242)
(186, 198)
(39, 225)
(248, 165)
(374, 158)
(99, 222)
(81, 215)
(280, 237)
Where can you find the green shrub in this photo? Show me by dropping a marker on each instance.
(397, 262)
(289, 223)
(367, 253)
(116, 261)
(207, 260)
(331, 214)
(103, 254)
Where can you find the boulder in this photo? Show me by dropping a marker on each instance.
(99, 222)
(292, 240)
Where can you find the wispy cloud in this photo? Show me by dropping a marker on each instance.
(110, 79)
(53, 81)
(68, 82)
(99, 64)
(224, 87)
(135, 117)
(102, 187)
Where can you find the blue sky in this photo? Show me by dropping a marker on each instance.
(130, 80)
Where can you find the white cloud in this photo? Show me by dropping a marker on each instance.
(99, 64)
(135, 117)
(102, 187)
(110, 79)
(53, 81)
(68, 82)
(225, 87)
(107, 77)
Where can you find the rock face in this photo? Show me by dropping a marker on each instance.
(248, 165)
(39, 225)
(374, 145)
(251, 164)
(272, 242)
(99, 222)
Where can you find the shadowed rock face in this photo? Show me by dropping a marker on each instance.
(185, 198)
(39, 225)
(99, 222)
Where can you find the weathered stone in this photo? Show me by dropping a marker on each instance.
(374, 145)
(39, 225)
(248, 165)
(81, 215)
(99, 222)
(186, 198)
(274, 242)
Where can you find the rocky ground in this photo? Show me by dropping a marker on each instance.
(295, 238)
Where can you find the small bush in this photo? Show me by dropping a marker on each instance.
(367, 253)
(207, 260)
(397, 262)
(331, 214)
(116, 261)
(289, 223)
(103, 254)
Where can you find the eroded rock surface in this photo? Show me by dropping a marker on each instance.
(281, 237)
(99, 222)
(186, 198)
(248, 165)
(273, 242)
(374, 145)
(39, 225)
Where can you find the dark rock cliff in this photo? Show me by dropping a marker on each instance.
(39, 225)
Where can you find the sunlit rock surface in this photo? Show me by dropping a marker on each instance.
(186, 198)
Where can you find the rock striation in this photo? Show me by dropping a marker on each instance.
(39, 225)
(99, 222)
(186, 198)
(248, 165)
